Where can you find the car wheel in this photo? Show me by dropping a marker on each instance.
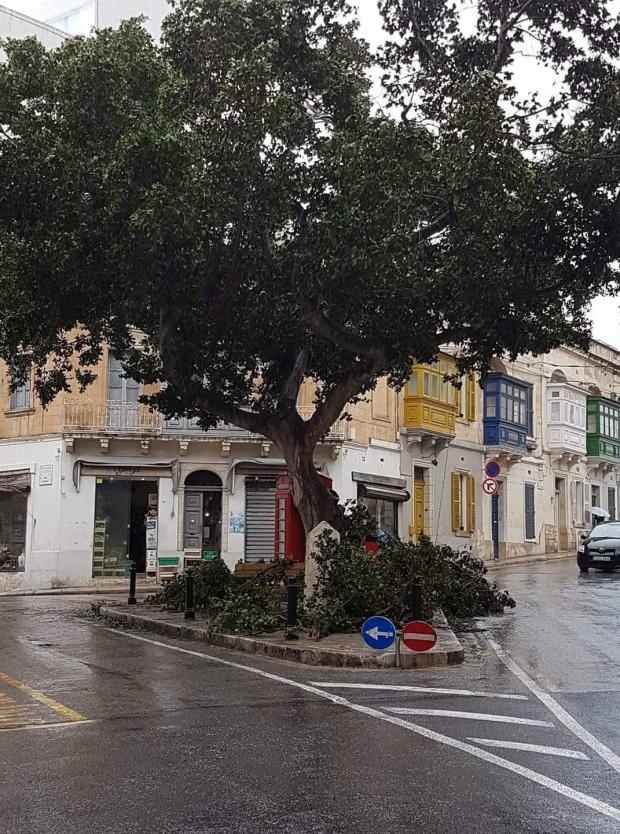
(583, 564)
(583, 570)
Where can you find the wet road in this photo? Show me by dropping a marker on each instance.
(112, 731)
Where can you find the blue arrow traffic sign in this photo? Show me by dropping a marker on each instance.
(378, 633)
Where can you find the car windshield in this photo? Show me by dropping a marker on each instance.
(606, 531)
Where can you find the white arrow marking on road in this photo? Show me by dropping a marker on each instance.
(475, 716)
(531, 748)
(424, 689)
(374, 633)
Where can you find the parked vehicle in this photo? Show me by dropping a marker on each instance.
(600, 548)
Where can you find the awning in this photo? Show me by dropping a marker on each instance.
(386, 493)
(16, 481)
(127, 467)
(251, 466)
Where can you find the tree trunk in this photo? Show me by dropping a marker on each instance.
(311, 496)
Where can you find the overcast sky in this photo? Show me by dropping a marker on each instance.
(605, 312)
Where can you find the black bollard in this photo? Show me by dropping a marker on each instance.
(291, 604)
(190, 614)
(415, 602)
(132, 583)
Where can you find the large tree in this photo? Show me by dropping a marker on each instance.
(255, 202)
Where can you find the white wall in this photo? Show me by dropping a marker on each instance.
(15, 25)
(112, 12)
(43, 511)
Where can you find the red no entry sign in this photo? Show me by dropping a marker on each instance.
(419, 636)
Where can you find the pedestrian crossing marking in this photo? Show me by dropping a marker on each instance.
(475, 716)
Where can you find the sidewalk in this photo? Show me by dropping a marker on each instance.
(341, 650)
(525, 560)
(86, 590)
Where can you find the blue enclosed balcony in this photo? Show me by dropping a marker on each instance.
(508, 413)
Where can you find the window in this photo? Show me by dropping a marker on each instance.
(530, 511)
(578, 508)
(611, 503)
(463, 503)
(466, 398)
(120, 388)
(515, 405)
(20, 398)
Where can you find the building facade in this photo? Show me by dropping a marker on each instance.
(551, 426)
(97, 480)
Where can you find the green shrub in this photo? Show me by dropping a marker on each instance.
(353, 584)
(212, 581)
(228, 603)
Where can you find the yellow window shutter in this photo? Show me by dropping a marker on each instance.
(471, 397)
(456, 502)
(471, 503)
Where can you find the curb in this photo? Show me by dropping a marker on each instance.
(87, 591)
(447, 652)
(526, 560)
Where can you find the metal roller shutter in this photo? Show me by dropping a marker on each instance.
(260, 518)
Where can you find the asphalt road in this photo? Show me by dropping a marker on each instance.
(122, 731)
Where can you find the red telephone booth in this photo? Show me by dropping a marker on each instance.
(290, 540)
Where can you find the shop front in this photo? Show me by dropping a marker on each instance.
(127, 499)
(14, 491)
(122, 507)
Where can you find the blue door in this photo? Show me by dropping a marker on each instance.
(495, 524)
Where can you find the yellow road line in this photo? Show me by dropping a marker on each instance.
(8, 713)
(51, 726)
(21, 722)
(66, 712)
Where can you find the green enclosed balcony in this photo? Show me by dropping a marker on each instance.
(603, 439)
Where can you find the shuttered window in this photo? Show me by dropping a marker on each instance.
(456, 501)
(470, 388)
(260, 519)
(530, 512)
(463, 503)
(20, 398)
(471, 504)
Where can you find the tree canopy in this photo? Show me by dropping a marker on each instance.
(262, 209)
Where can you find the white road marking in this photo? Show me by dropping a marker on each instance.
(484, 755)
(433, 690)
(560, 713)
(475, 716)
(531, 748)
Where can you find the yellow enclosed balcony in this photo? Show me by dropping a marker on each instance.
(431, 399)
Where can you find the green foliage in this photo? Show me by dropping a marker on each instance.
(354, 584)
(212, 581)
(235, 195)
(252, 608)
(228, 603)
(359, 525)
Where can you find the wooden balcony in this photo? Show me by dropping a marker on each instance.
(426, 415)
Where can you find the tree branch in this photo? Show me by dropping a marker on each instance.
(438, 225)
(290, 389)
(192, 389)
(330, 410)
(327, 329)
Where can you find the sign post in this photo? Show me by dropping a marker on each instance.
(492, 469)
(378, 633)
(419, 636)
(490, 486)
